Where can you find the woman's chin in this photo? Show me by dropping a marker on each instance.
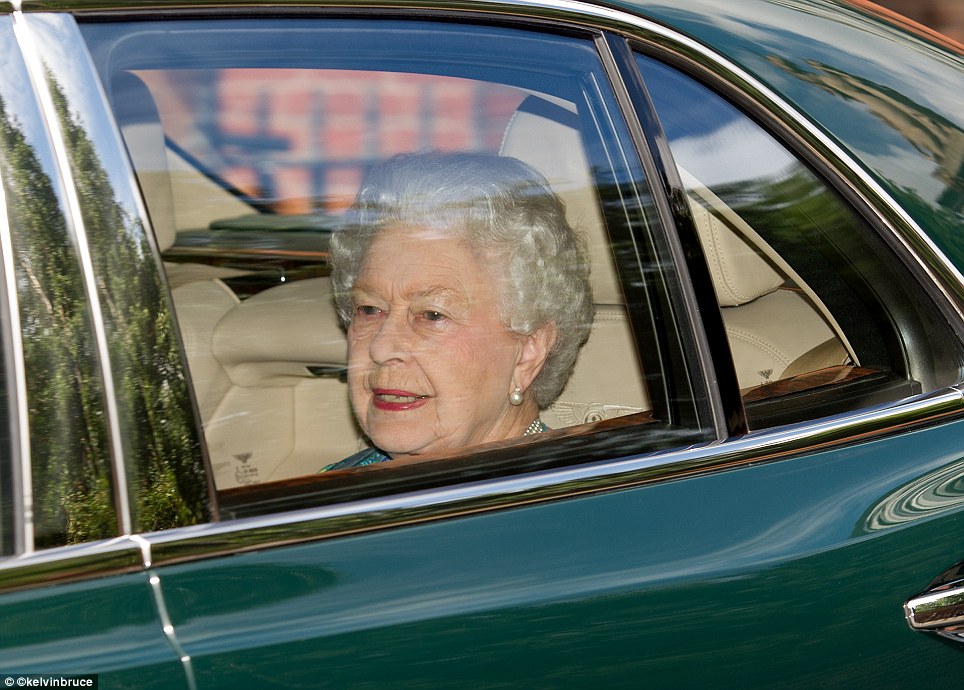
(398, 443)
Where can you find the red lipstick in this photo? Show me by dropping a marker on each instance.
(392, 400)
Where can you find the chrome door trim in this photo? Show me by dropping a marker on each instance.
(167, 624)
(71, 563)
(22, 489)
(35, 66)
(312, 524)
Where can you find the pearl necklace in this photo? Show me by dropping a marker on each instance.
(534, 428)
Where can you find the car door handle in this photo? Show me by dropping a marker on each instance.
(940, 608)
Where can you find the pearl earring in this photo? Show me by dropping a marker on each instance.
(515, 397)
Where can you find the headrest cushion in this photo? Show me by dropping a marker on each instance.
(272, 337)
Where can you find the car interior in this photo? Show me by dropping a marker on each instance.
(268, 369)
(267, 356)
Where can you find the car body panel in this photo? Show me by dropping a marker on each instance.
(626, 583)
(781, 557)
(108, 627)
(901, 118)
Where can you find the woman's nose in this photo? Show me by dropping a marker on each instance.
(392, 341)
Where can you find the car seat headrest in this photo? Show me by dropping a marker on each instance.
(143, 133)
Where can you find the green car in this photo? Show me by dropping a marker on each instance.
(754, 476)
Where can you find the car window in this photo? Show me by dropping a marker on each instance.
(8, 491)
(251, 138)
(820, 316)
(71, 484)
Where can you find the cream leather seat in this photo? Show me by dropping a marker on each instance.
(776, 326)
(265, 414)
(285, 411)
(607, 381)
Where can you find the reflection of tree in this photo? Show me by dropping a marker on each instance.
(68, 434)
(69, 437)
(166, 479)
(929, 133)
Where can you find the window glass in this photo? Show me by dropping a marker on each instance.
(156, 450)
(8, 415)
(251, 139)
(817, 311)
(72, 486)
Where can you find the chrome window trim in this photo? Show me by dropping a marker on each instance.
(35, 66)
(312, 524)
(199, 542)
(12, 339)
(71, 563)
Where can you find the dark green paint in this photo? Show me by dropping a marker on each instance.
(106, 627)
(890, 97)
(789, 574)
(762, 574)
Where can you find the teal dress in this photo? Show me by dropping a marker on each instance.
(369, 456)
(373, 456)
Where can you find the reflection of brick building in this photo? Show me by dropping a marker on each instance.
(946, 16)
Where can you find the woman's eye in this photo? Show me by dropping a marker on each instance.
(433, 315)
(367, 310)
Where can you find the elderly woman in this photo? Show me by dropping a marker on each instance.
(466, 298)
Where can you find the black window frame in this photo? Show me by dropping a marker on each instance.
(810, 405)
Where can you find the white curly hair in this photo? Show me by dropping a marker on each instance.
(509, 216)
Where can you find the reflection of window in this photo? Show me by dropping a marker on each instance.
(250, 155)
(298, 140)
(810, 299)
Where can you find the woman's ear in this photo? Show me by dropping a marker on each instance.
(532, 355)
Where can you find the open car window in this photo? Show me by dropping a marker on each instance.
(250, 139)
(816, 314)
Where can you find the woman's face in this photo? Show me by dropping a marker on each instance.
(430, 363)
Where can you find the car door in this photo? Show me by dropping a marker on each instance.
(673, 567)
(90, 381)
(690, 525)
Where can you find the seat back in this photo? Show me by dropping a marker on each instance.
(285, 412)
(607, 381)
(258, 366)
(776, 325)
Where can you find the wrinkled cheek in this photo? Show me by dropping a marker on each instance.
(357, 346)
(358, 359)
(359, 401)
(357, 394)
